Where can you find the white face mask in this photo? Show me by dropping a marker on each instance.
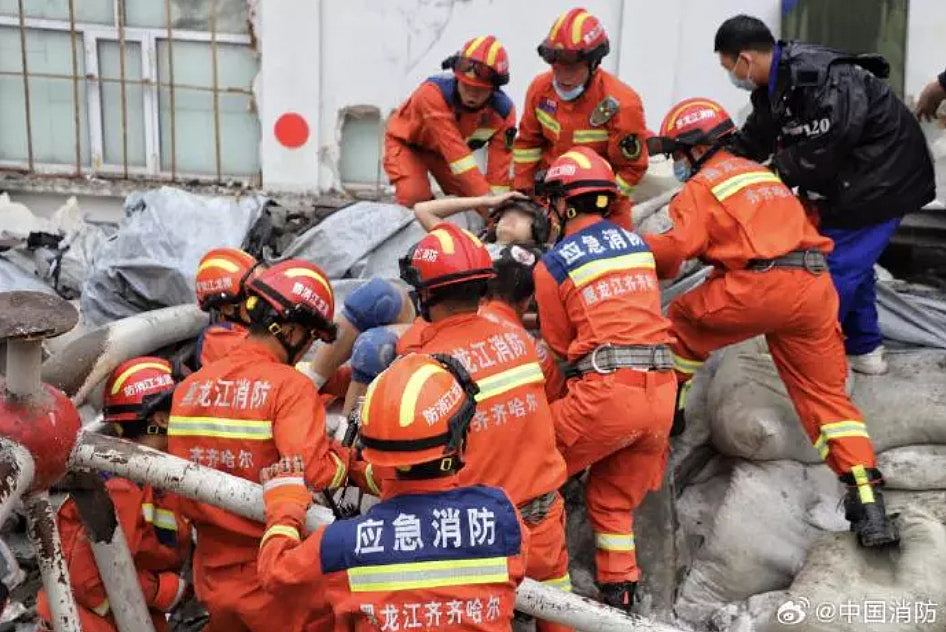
(743, 83)
(682, 170)
(567, 95)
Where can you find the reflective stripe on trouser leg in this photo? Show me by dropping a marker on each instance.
(865, 490)
(843, 444)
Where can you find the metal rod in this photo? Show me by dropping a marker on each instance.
(244, 498)
(216, 93)
(110, 549)
(44, 537)
(26, 89)
(24, 367)
(141, 82)
(75, 86)
(16, 475)
(167, 17)
(122, 86)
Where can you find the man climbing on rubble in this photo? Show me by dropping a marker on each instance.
(770, 278)
(835, 130)
(434, 554)
(599, 307)
(244, 412)
(221, 275)
(512, 443)
(449, 117)
(137, 401)
(578, 103)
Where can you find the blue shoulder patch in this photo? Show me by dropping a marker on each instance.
(448, 86)
(464, 523)
(501, 103)
(601, 240)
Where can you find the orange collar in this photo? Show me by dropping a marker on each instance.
(397, 487)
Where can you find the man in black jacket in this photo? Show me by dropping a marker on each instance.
(835, 130)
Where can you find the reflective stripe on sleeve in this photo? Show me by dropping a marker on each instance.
(731, 186)
(463, 165)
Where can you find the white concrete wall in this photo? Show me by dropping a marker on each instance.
(321, 56)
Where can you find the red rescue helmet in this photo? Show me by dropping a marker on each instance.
(136, 389)
(690, 123)
(578, 171)
(221, 274)
(482, 62)
(447, 255)
(418, 410)
(575, 36)
(292, 291)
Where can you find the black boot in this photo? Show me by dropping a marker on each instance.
(680, 414)
(618, 595)
(864, 509)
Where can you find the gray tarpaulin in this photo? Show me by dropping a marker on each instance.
(151, 261)
(911, 319)
(15, 278)
(363, 241)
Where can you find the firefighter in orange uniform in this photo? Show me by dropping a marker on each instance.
(447, 118)
(579, 104)
(599, 307)
(770, 278)
(137, 401)
(512, 443)
(245, 412)
(431, 555)
(221, 274)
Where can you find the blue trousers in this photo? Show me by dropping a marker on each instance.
(856, 250)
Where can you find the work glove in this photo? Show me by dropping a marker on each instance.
(374, 350)
(378, 302)
(285, 495)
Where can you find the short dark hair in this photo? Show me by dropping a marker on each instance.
(513, 282)
(465, 295)
(741, 33)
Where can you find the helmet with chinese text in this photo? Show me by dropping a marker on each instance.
(418, 411)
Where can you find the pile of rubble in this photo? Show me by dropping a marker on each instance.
(747, 533)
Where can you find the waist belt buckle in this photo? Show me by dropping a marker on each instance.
(594, 360)
(769, 264)
(811, 263)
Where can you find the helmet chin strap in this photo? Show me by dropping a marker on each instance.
(293, 351)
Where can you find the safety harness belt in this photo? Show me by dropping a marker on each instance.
(609, 358)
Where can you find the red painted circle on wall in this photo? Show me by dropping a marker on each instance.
(291, 130)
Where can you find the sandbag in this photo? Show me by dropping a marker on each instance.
(840, 573)
(752, 417)
(911, 319)
(760, 531)
(915, 467)
(150, 263)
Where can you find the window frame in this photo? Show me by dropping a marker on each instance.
(90, 35)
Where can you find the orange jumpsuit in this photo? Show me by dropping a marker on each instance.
(551, 126)
(238, 415)
(598, 286)
(429, 556)
(732, 211)
(217, 340)
(158, 538)
(432, 132)
(512, 442)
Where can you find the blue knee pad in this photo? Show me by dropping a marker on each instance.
(376, 303)
(374, 350)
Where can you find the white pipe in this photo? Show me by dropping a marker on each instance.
(645, 209)
(245, 498)
(16, 475)
(167, 472)
(44, 536)
(89, 359)
(24, 359)
(118, 573)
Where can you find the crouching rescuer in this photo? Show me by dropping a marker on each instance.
(246, 411)
(599, 306)
(770, 279)
(432, 554)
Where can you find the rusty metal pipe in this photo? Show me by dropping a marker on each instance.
(44, 536)
(245, 498)
(16, 475)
